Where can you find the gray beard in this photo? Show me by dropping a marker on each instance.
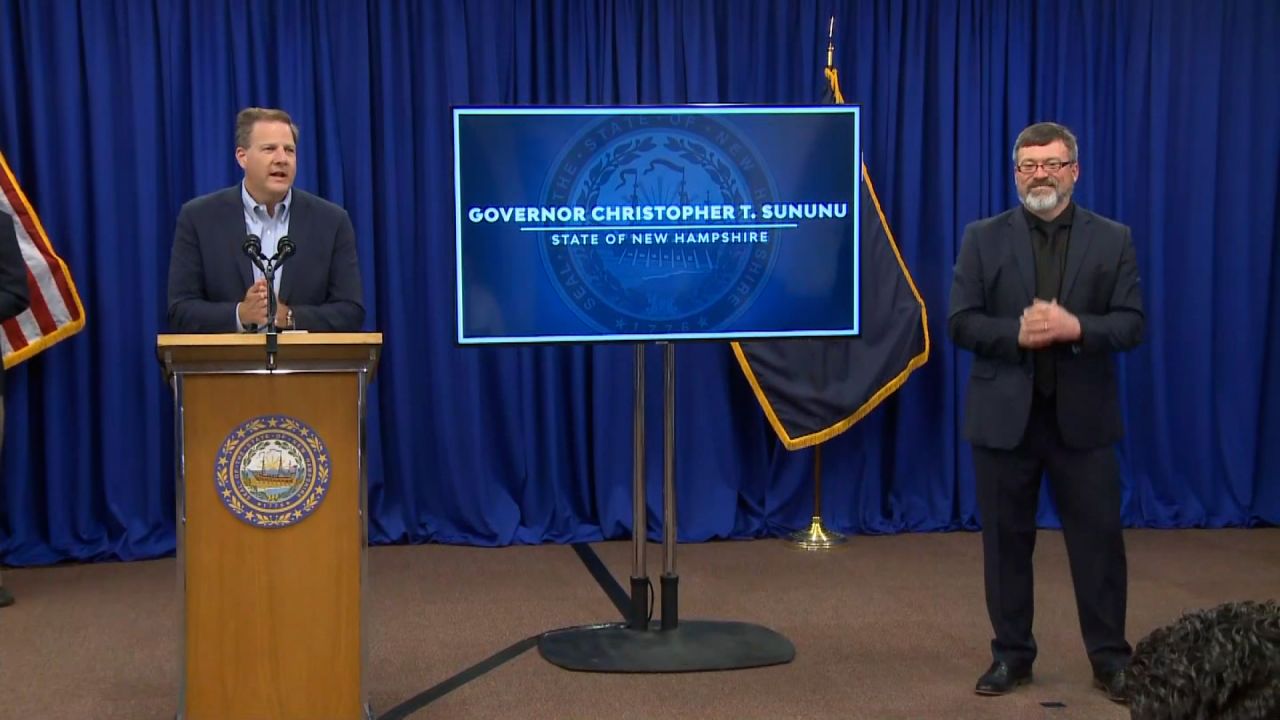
(1040, 202)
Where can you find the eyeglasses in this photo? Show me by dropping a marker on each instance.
(1051, 166)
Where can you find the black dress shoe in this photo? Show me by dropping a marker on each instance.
(1001, 678)
(6, 597)
(1113, 683)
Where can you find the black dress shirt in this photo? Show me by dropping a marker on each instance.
(1049, 239)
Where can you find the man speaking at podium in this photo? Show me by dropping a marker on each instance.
(214, 287)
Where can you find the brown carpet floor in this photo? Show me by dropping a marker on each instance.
(885, 627)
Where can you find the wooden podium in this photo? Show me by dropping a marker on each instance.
(272, 534)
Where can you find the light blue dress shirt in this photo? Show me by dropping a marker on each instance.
(269, 229)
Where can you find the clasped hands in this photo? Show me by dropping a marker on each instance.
(1045, 322)
(253, 309)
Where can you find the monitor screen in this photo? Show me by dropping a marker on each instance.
(594, 224)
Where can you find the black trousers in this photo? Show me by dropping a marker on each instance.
(1085, 487)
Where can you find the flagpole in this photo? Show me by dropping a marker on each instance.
(831, 42)
(816, 536)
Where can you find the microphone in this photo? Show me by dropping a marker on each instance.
(284, 250)
(253, 248)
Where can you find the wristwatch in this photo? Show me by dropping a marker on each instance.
(288, 320)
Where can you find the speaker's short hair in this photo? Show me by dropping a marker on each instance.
(248, 117)
(1043, 133)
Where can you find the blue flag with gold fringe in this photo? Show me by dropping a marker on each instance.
(813, 390)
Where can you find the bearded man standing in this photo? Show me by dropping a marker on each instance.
(1044, 295)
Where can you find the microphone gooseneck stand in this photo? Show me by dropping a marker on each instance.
(268, 266)
(273, 345)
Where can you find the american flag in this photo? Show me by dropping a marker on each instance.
(56, 312)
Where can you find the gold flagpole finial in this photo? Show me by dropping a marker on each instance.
(831, 43)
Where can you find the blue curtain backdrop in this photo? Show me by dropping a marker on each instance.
(114, 112)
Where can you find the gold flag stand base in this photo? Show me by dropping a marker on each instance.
(816, 537)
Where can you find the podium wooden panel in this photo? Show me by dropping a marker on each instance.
(272, 616)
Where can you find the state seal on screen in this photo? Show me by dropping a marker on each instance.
(272, 471)
(660, 276)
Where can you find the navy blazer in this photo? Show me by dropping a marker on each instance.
(995, 279)
(209, 273)
(14, 294)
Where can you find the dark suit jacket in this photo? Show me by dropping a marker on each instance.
(209, 274)
(14, 294)
(995, 280)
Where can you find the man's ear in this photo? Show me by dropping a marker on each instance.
(242, 156)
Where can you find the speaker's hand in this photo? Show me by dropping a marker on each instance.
(253, 309)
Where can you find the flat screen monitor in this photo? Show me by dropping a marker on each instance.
(597, 224)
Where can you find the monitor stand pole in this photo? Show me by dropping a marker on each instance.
(639, 645)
